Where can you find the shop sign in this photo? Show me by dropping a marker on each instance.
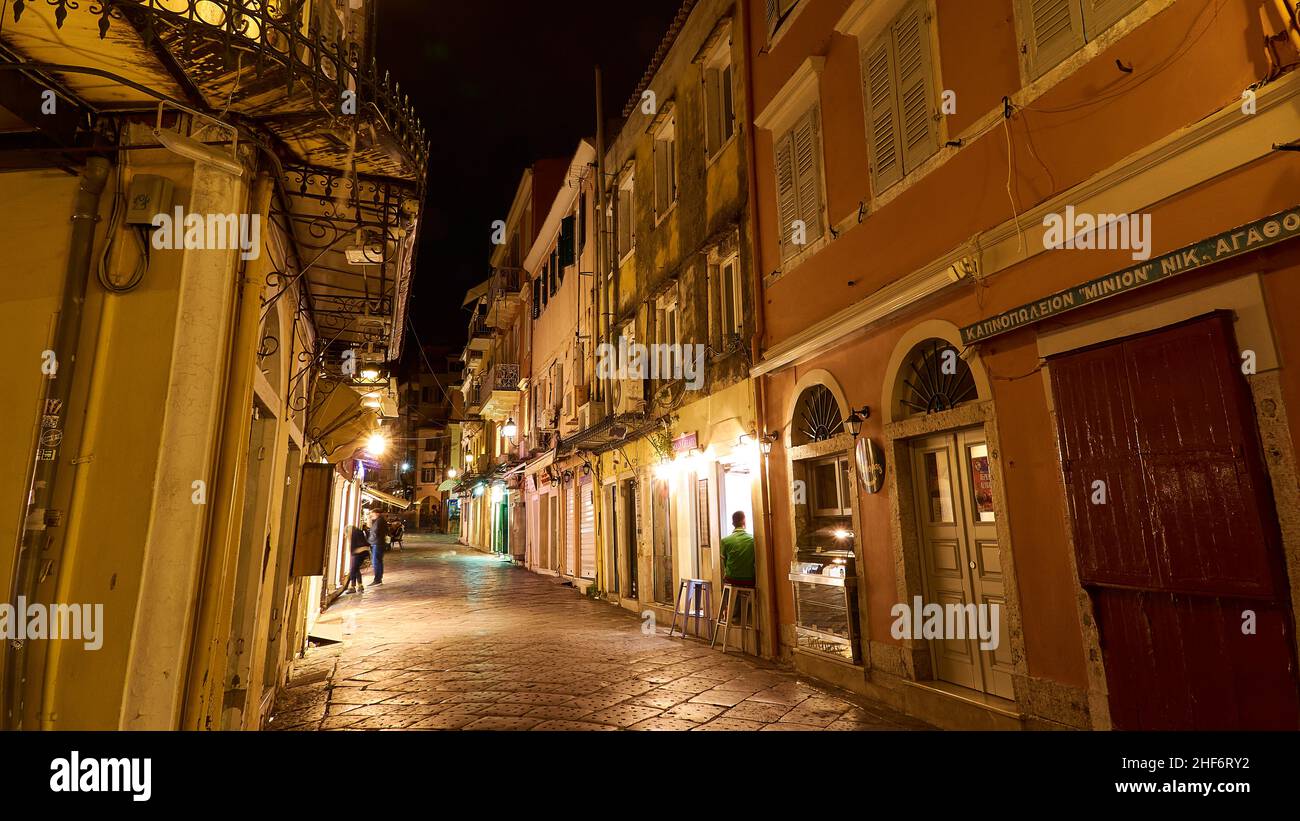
(1249, 237)
(686, 442)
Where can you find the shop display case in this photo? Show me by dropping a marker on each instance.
(826, 603)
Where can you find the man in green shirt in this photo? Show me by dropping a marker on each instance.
(738, 554)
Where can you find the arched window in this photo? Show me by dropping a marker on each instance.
(934, 378)
(816, 416)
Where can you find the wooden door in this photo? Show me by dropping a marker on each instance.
(570, 531)
(1175, 534)
(631, 517)
(662, 543)
(960, 556)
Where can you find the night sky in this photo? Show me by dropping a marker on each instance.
(499, 85)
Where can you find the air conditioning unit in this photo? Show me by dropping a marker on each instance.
(548, 420)
(589, 414)
(629, 395)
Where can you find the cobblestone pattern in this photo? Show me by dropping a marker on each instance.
(458, 640)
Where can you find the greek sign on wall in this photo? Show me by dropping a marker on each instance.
(1249, 237)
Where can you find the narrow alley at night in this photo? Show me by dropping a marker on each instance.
(922, 374)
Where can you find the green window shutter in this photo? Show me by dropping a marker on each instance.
(567, 236)
(787, 197)
(920, 132)
(1099, 15)
(808, 174)
(882, 114)
(1053, 30)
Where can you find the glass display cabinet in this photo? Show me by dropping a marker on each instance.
(826, 602)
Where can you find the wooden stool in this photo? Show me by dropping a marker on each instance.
(693, 601)
(743, 599)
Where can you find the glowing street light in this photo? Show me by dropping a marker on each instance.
(510, 429)
(452, 473)
(377, 444)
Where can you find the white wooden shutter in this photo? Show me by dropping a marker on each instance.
(587, 529)
(787, 197)
(882, 114)
(1054, 30)
(1099, 15)
(920, 133)
(808, 175)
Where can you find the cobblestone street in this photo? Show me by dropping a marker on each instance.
(457, 639)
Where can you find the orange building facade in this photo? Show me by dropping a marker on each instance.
(978, 399)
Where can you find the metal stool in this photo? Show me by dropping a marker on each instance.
(743, 599)
(694, 600)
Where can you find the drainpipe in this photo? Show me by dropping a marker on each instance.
(756, 348)
(598, 329)
(42, 473)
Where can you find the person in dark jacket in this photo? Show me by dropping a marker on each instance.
(359, 546)
(397, 529)
(378, 538)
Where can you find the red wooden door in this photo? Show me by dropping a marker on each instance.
(1175, 533)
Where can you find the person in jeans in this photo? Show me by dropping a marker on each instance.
(359, 546)
(378, 538)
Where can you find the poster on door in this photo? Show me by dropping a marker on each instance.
(982, 482)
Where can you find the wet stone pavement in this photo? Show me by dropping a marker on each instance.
(458, 640)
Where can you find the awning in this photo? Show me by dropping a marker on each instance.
(386, 498)
(448, 484)
(540, 462)
(476, 293)
(344, 423)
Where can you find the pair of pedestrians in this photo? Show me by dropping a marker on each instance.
(374, 541)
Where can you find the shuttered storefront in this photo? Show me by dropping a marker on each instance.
(570, 535)
(587, 530)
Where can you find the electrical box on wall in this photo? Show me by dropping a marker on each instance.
(150, 195)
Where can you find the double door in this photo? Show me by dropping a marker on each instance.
(1175, 534)
(953, 483)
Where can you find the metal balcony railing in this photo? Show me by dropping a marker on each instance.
(505, 282)
(503, 377)
(280, 32)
